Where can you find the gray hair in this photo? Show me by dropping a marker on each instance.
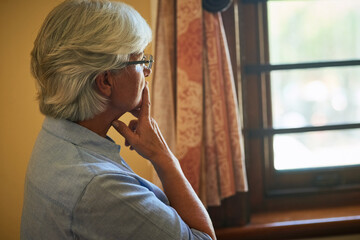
(78, 40)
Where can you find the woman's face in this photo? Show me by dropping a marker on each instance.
(129, 83)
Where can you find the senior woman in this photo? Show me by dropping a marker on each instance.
(90, 69)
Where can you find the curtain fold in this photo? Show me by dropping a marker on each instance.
(163, 86)
(201, 121)
(225, 163)
(189, 85)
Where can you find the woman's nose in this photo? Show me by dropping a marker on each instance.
(147, 72)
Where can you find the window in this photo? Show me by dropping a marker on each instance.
(301, 91)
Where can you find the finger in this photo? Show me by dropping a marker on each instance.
(133, 124)
(145, 106)
(126, 132)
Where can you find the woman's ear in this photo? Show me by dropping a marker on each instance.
(103, 84)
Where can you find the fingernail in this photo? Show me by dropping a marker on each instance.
(115, 124)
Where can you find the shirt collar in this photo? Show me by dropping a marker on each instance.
(82, 137)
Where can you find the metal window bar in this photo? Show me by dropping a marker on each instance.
(272, 131)
(263, 68)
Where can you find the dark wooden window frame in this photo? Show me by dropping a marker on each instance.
(249, 213)
(258, 125)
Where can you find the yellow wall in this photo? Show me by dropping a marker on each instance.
(20, 120)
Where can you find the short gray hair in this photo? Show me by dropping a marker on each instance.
(78, 40)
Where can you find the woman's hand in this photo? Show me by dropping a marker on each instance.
(143, 135)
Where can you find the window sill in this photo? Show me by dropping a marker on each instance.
(297, 224)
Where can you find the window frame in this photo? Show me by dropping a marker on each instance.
(270, 189)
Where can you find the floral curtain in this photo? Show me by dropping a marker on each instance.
(164, 84)
(194, 99)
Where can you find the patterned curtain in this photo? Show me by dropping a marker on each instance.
(164, 75)
(194, 99)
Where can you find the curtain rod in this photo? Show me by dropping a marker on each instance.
(216, 5)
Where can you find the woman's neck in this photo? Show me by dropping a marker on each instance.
(101, 123)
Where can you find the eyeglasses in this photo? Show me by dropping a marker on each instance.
(147, 61)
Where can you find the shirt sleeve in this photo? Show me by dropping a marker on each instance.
(117, 206)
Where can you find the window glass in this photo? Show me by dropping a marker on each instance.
(311, 31)
(316, 149)
(315, 97)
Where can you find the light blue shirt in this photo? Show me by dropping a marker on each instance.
(78, 187)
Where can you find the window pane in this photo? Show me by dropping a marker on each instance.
(313, 30)
(316, 149)
(317, 97)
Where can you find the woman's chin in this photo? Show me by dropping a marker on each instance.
(136, 110)
(138, 105)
